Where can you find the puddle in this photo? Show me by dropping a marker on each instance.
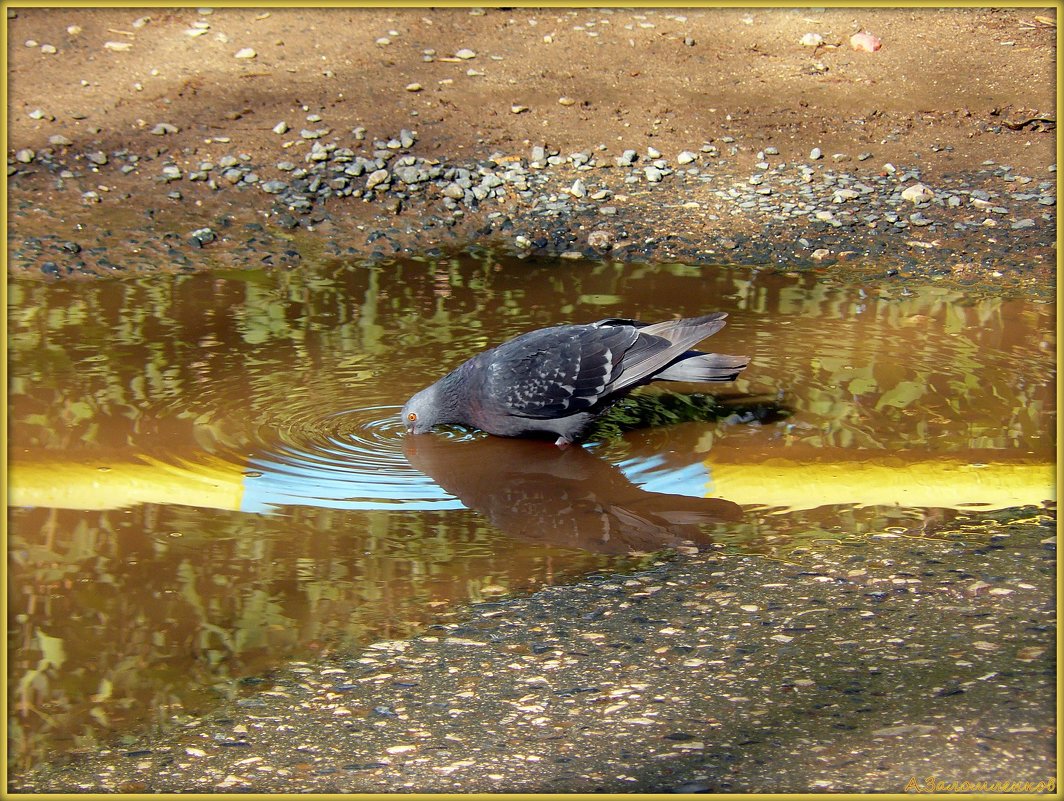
(208, 475)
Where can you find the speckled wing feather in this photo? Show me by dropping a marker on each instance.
(559, 371)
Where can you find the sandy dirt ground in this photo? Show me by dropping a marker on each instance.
(948, 92)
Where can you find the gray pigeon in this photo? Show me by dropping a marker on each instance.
(558, 380)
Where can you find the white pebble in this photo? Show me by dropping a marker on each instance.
(917, 193)
(245, 52)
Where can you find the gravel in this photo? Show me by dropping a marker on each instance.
(756, 217)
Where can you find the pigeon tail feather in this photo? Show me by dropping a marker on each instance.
(697, 367)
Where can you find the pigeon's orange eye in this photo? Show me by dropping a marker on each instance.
(412, 417)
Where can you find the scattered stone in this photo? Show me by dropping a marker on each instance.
(202, 236)
(118, 47)
(378, 178)
(25, 156)
(686, 157)
(811, 40)
(59, 140)
(413, 87)
(917, 193)
(815, 154)
(653, 174)
(163, 128)
(904, 730)
(865, 41)
(245, 53)
(566, 101)
(601, 240)
(465, 54)
(281, 128)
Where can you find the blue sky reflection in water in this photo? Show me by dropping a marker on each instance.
(208, 477)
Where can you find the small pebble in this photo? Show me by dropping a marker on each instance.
(917, 193)
(245, 52)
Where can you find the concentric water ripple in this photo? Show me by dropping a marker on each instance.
(351, 459)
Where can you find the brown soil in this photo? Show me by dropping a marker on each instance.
(949, 90)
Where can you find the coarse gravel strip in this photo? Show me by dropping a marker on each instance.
(844, 668)
(380, 199)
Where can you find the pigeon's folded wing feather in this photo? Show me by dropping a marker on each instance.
(557, 371)
(659, 344)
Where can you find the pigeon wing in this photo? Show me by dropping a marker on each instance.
(658, 345)
(556, 372)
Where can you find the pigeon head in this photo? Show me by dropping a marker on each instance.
(422, 411)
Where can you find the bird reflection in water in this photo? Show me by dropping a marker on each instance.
(564, 497)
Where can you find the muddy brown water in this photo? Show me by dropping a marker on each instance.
(208, 476)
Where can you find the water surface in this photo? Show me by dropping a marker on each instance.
(208, 476)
